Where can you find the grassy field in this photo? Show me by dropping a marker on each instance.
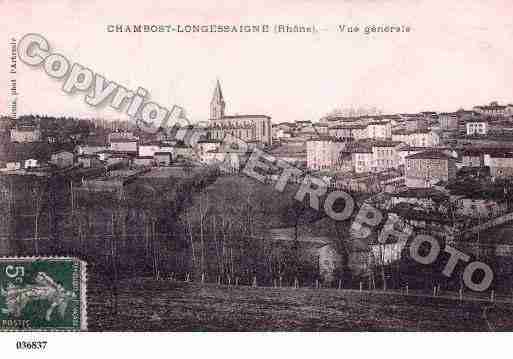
(146, 305)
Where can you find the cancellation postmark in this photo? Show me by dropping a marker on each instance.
(42, 294)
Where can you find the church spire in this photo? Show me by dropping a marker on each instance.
(218, 94)
(217, 104)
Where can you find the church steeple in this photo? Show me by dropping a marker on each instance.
(217, 104)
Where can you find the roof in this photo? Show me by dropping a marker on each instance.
(25, 128)
(385, 143)
(62, 152)
(209, 141)
(379, 123)
(349, 127)
(244, 116)
(88, 156)
(144, 158)
(409, 211)
(151, 143)
(284, 124)
(124, 140)
(407, 148)
(491, 107)
(411, 132)
(434, 154)
(421, 193)
(502, 155)
(218, 94)
(476, 120)
(324, 138)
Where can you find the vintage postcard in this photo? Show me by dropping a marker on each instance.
(288, 166)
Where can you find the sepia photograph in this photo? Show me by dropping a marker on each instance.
(255, 167)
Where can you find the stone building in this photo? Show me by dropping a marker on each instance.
(476, 127)
(245, 127)
(427, 168)
(62, 159)
(417, 138)
(26, 132)
(500, 163)
(492, 110)
(448, 121)
(323, 152)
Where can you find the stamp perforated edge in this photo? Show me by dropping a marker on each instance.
(83, 292)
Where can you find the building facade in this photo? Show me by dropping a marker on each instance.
(26, 133)
(425, 169)
(323, 152)
(245, 127)
(476, 127)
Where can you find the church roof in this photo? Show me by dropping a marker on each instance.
(244, 116)
(218, 94)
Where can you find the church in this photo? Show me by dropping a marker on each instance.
(249, 128)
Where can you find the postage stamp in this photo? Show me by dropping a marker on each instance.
(42, 294)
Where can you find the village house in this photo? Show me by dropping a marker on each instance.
(228, 160)
(26, 132)
(62, 159)
(414, 122)
(121, 135)
(348, 131)
(169, 146)
(283, 130)
(481, 208)
(323, 152)
(31, 163)
(385, 155)
(180, 150)
(12, 165)
(427, 168)
(362, 158)
(472, 157)
(492, 110)
(305, 129)
(143, 161)
(148, 149)
(448, 121)
(379, 130)
(321, 129)
(405, 150)
(315, 248)
(427, 198)
(89, 161)
(124, 145)
(118, 160)
(293, 152)
(476, 127)
(104, 154)
(88, 149)
(417, 138)
(162, 158)
(205, 145)
(509, 109)
(500, 163)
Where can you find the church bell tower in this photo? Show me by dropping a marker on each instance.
(217, 104)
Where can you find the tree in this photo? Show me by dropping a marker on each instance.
(37, 193)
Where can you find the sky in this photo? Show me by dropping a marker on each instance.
(457, 54)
